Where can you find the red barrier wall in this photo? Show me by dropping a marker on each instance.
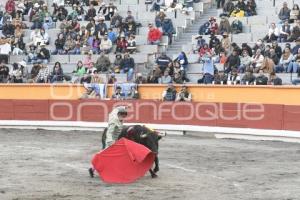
(264, 116)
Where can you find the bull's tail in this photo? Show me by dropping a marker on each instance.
(104, 138)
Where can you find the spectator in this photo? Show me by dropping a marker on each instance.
(59, 44)
(204, 50)
(43, 74)
(200, 43)
(44, 36)
(246, 61)
(267, 66)
(4, 72)
(48, 22)
(183, 95)
(43, 54)
(274, 57)
(127, 66)
(259, 45)
(296, 47)
(10, 7)
(112, 35)
(165, 79)
(284, 13)
(246, 47)
(293, 66)
(169, 94)
(79, 72)
(251, 8)
(154, 76)
(213, 26)
(140, 79)
(101, 27)
(131, 48)
(228, 7)
(154, 35)
(277, 49)
(121, 45)
(129, 17)
(112, 79)
(91, 13)
(91, 25)
(103, 63)
(118, 95)
(220, 78)
(274, 80)
(220, 3)
(105, 45)
(214, 43)
(233, 61)
(88, 61)
(225, 42)
(8, 29)
(159, 18)
(117, 63)
(32, 54)
(257, 60)
(129, 28)
(86, 79)
(294, 14)
(163, 61)
(57, 74)
(133, 93)
(248, 78)
(116, 20)
(182, 59)
(261, 79)
(224, 25)
(168, 29)
(284, 62)
(295, 32)
(241, 5)
(208, 69)
(95, 44)
(273, 33)
(285, 32)
(233, 77)
(69, 47)
(177, 78)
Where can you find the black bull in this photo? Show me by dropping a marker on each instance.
(141, 135)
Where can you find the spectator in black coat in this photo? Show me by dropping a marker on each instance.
(233, 61)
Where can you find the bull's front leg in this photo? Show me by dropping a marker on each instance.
(156, 168)
(153, 174)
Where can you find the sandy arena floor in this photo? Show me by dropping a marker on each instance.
(50, 165)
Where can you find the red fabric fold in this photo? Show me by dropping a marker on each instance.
(123, 162)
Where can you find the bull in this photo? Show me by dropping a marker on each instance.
(144, 136)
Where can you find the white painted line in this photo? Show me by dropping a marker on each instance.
(178, 167)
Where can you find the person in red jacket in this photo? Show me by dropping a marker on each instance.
(10, 7)
(154, 35)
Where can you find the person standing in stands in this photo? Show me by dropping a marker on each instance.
(154, 35)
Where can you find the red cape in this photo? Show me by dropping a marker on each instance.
(123, 162)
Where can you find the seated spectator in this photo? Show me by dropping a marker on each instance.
(277, 49)
(105, 45)
(224, 26)
(213, 26)
(274, 57)
(117, 63)
(91, 13)
(225, 42)
(57, 74)
(236, 26)
(246, 47)
(200, 43)
(154, 35)
(44, 36)
(168, 29)
(118, 94)
(170, 93)
(204, 50)
(220, 78)
(182, 60)
(69, 47)
(60, 14)
(95, 44)
(43, 54)
(59, 45)
(284, 13)
(274, 80)
(43, 74)
(248, 78)
(8, 29)
(177, 78)
(293, 66)
(165, 79)
(37, 18)
(285, 32)
(101, 27)
(35, 70)
(18, 46)
(154, 75)
(86, 79)
(163, 61)
(284, 62)
(295, 32)
(296, 47)
(133, 93)
(233, 77)
(88, 61)
(32, 54)
(273, 33)
(232, 62)
(140, 79)
(241, 5)
(131, 46)
(10, 7)
(129, 28)
(79, 72)
(4, 72)
(246, 61)
(103, 63)
(261, 79)
(112, 79)
(116, 20)
(159, 18)
(235, 47)
(48, 22)
(251, 8)
(215, 43)
(228, 7)
(183, 95)
(127, 66)
(222, 58)
(294, 14)
(237, 13)
(257, 60)
(121, 45)
(112, 35)
(267, 66)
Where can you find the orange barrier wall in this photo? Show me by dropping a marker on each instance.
(264, 116)
(287, 95)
